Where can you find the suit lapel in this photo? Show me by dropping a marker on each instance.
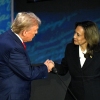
(76, 58)
(88, 61)
(19, 42)
(15, 38)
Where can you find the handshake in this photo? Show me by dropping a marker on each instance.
(50, 64)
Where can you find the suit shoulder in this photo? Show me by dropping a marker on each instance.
(70, 45)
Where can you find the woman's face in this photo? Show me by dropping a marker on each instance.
(79, 38)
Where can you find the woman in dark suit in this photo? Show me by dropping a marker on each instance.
(82, 60)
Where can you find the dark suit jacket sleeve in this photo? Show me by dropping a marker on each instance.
(62, 68)
(19, 63)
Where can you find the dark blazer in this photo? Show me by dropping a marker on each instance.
(16, 71)
(85, 81)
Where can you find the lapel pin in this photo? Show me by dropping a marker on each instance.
(90, 56)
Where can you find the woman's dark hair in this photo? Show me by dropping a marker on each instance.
(91, 34)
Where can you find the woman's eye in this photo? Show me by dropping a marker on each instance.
(78, 34)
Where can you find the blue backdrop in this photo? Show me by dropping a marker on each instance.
(5, 15)
(55, 32)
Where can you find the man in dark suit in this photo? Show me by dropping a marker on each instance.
(16, 71)
(82, 60)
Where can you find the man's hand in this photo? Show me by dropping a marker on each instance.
(49, 64)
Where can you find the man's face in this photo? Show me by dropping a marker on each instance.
(30, 34)
(79, 38)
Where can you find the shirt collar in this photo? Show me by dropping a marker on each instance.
(84, 52)
(17, 36)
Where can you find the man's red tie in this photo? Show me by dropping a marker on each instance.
(24, 45)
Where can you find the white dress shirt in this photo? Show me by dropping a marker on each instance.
(81, 56)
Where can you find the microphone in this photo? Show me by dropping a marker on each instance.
(55, 71)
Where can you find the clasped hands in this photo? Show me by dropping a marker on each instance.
(50, 64)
